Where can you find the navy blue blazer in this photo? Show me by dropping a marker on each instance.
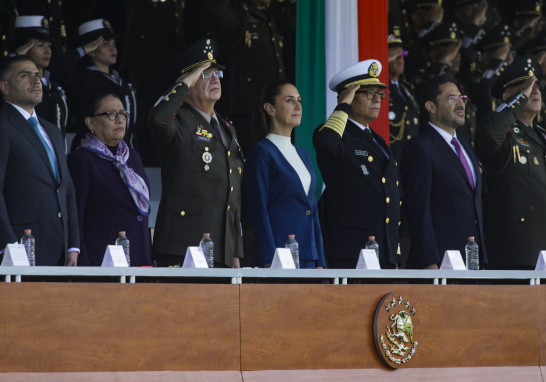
(278, 205)
(105, 207)
(442, 208)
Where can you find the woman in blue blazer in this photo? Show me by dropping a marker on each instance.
(280, 181)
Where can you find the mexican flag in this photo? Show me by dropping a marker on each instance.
(332, 35)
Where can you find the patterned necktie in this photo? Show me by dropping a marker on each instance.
(34, 123)
(465, 163)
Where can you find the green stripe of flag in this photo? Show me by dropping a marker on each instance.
(311, 75)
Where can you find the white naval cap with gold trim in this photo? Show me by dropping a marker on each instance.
(363, 73)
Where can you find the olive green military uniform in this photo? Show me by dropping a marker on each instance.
(201, 180)
(513, 156)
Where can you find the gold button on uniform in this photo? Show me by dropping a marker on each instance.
(387, 221)
(522, 219)
(231, 189)
(166, 98)
(397, 183)
(206, 149)
(399, 224)
(239, 169)
(370, 159)
(228, 208)
(230, 171)
(308, 212)
(388, 200)
(383, 180)
(182, 213)
(228, 153)
(400, 202)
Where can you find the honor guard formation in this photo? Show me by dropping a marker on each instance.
(205, 91)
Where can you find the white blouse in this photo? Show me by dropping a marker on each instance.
(291, 155)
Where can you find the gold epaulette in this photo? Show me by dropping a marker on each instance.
(336, 122)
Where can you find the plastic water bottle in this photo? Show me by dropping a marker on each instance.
(472, 255)
(372, 244)
(124, 242)
(28, 241)
(294, 247)
(207, 246)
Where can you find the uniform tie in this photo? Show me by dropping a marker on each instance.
(385, 156)
(215, 126)
(465, 163)
(34, 123)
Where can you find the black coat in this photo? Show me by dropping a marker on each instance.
(154, 35)
(53, 107)
(251, 49)
(515, 214)
(197, 197)
(81, 82)
(362, 197)
(443, 210)
(31, 197)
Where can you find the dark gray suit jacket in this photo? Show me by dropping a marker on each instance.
(30, 197)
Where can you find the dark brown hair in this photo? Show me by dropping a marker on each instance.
(260, 123)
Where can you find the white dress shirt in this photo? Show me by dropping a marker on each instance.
(448, 137)
(26, 115)
(290, 153)
(363, 128)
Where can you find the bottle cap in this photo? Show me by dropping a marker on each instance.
(28, 230)
(122, 232)
(471, 238)
(291, 236)
(371, 237)
(206, 234)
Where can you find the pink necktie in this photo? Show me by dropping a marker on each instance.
(462, 157)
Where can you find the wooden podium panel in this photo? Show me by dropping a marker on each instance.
(287, 327)
(76, 327)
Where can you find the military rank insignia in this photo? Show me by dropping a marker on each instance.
(396, 330)
(364, 170)
(203, 135)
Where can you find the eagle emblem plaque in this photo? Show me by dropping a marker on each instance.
(396, 329)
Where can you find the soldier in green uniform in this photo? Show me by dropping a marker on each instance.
(443, 46)
(494, 50)
(403, 110)
(512, 150)
(201, 164)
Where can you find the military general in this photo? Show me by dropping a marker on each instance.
(512, 150)
(359, 170)
(201, 164)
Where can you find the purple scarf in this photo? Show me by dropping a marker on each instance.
(137, 186)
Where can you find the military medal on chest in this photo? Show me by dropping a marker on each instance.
(207, 158)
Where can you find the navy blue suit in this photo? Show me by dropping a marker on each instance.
(442, 208)
(278, 204)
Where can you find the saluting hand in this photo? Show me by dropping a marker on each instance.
(23, 49)
(348, 94)
(93, 45)
(526, 88)
(191, 77)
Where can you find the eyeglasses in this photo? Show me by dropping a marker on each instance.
(113, 114)
(218, 74)
(370, 94)
(453, 99)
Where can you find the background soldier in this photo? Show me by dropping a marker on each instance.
(202, 164)
(359, 170)
(513, 151)
(403, 110)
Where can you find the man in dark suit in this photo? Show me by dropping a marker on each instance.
(36, 191)
(441, 180)
(359, 170)
(512, 150)
(201, 164)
